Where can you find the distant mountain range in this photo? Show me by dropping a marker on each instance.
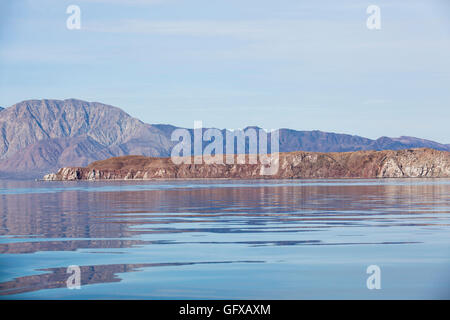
(39, 136)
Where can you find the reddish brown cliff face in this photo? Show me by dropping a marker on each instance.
(292, 165)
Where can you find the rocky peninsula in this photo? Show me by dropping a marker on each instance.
(409, 163)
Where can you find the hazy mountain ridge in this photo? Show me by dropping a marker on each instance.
(37, 136)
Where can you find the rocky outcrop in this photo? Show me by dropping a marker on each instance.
(413, 163)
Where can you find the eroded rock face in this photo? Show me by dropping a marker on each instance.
(50, 177)
(410, 163)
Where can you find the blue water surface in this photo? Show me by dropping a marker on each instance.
(225, 239)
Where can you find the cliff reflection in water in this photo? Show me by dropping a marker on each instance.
(57, 277)
(48, 217)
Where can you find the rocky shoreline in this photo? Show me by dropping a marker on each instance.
(409, 163)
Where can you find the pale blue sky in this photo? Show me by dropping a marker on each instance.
(231, 63)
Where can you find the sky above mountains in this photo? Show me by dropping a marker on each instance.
(296, 64)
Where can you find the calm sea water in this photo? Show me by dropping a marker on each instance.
(220, 239)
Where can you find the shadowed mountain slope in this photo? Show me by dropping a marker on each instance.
(39, 135)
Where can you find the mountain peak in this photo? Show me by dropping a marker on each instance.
(45, 122)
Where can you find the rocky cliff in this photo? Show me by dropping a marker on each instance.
(412, 163)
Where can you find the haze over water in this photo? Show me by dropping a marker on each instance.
(224, 239)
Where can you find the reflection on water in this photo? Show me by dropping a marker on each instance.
(305, 238)
(57, 277)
